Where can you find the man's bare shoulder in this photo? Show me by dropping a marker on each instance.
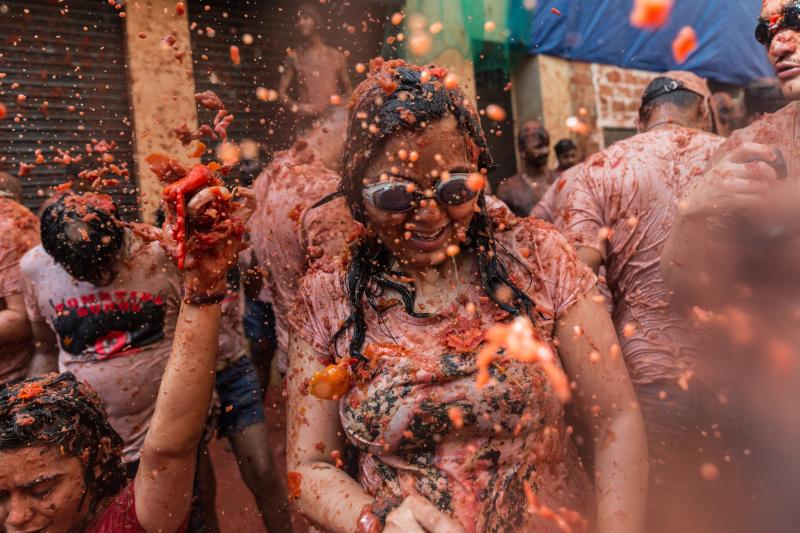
(770, 129)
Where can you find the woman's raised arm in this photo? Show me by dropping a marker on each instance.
(608, 405)
(164, 480)
(327, 495)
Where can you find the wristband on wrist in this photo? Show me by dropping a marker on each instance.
(202, 299)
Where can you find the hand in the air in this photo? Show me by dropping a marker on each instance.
(209, 255)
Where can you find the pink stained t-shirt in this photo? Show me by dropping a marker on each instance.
(622, 204)
(118, 337)
(399, 416)
(19, 232)
(287, 235)
(548, 207)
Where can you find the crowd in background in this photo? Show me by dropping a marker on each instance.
(607, 344)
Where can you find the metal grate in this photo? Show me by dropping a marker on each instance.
(263, 122)
(65, 54)
(272, 26)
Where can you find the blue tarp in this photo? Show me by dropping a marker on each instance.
(599, 31)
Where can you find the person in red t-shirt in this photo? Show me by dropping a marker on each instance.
(61, 461)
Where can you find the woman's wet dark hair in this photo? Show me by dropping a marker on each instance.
(57, 411)
(82, 236)
(396, 96)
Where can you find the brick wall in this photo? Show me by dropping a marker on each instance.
(604, 99)
(617, 95)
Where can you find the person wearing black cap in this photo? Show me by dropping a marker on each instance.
(617, 212)
(319, 70)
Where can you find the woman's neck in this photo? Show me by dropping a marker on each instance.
(445, 270)
(437, 287)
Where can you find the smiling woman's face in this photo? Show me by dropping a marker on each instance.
(420, 237)
(40, 490)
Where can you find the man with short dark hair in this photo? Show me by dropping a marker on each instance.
(523, 191)
(567, 155)
(617, 213)
(729, 113)
(19, 232)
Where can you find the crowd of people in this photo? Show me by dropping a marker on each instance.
(609, 345)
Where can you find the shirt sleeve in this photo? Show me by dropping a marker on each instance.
(582, 216)
(120, 515)
(10, 276)
(320, 308)
(554, 275)
(546, 207)
(326, 229)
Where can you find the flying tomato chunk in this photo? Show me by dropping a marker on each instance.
(236, 58)
(684, 44)
(650, 14)
(331, 383)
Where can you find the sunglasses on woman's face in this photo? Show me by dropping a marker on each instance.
(788, 19)
(399, 197)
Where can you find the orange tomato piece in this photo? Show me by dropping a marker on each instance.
(331, 383)
(684, 44)
(198, 150)
(650, 14)
(236, 58)
(293, 480)
(31, 390)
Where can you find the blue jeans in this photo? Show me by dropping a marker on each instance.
(240, 397)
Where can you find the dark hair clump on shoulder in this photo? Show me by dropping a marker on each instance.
(398, 96)
(81, 233)
(56, 410)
